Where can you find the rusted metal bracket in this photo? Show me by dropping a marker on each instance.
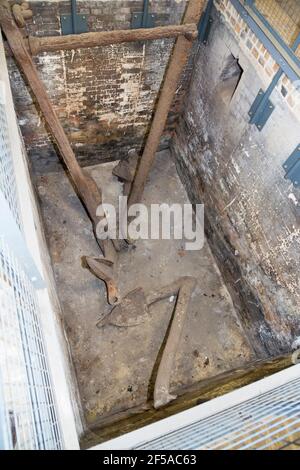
(133, 310)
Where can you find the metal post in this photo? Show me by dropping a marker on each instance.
(74, 16)
(176, 65)
(145, 14)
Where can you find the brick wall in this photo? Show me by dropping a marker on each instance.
(104, 96)
(252, 211)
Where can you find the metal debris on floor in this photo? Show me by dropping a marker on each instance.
(138, 353)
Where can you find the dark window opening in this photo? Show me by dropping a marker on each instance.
(230, 78)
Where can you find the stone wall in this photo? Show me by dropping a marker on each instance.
(252, 211)
(104, 96)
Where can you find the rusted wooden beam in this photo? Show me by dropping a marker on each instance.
(176, 65)
(103, 38)
(85, 186)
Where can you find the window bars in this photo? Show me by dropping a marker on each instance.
(269, 421)
(283, 16)
(28, 418)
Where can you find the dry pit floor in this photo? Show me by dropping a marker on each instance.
(114, 365)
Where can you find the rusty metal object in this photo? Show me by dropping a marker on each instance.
(296, 357)
(126, 169)
(177, 63)
(103, 38)
(104, 270)
(133, 310)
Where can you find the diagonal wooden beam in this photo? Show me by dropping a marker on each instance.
(85, 186)
(177, 63)
(103, 38)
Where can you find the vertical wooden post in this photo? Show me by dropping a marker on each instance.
(176, 65)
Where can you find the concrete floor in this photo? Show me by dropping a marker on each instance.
(114, 365)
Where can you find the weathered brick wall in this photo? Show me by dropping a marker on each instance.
(104, 96)
(252, 212)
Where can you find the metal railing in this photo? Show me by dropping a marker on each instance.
(28, 417)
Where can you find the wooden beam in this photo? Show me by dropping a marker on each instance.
(176, 65)
(84, 184)
(85, 40)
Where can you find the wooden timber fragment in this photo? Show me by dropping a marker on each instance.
(104, 38)
(176, 65)
(85, 186)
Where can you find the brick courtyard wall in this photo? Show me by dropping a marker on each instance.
(104, 96)
(252, 211)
